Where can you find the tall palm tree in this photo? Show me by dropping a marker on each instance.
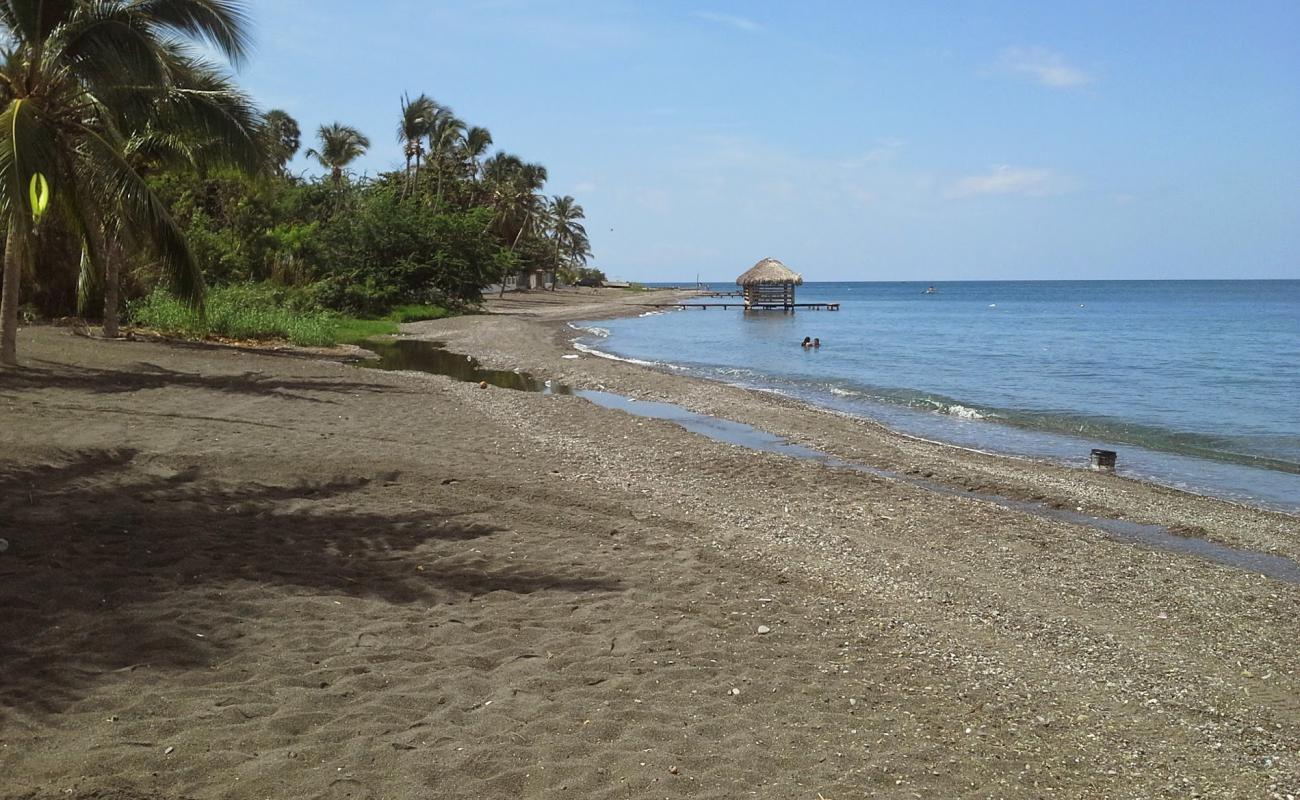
(281, 138)
(417, 121)
(474, 147)
(567, 233)
(340, 145)
(77, 78)
(445, 136)
(513, 187)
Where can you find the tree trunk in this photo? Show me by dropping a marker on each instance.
(13, 275)
(555, 273)
(437, 200)
(112, 285)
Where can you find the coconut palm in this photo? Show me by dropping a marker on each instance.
(472, 148)
(567, 233)
(513, 188)
(169, 139)
(281, 138)
(445, 136)
(340, 145)
(77, 79)
(417, 122)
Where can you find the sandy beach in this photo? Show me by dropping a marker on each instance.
(236, 573)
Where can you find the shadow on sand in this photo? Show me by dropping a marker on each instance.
(145, 376)
(101, 552)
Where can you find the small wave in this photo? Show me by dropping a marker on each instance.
(591, 351)
(962, 412)
(594, 331)
(952, 409)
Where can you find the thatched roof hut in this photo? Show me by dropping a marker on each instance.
(769, 270)
(769, 283)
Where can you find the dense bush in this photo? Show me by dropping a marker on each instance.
(357, 249)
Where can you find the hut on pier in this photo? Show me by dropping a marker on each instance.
(769, 284)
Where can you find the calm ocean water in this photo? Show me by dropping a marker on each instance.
(1196, 383)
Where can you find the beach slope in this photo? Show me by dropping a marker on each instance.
(238, 574)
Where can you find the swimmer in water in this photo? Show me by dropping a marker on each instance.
(817, 343)
(807, 342)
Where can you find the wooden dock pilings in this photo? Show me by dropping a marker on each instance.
(789, 307)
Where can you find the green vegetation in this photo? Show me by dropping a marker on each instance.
(163, 190)
(234, 312)
(93, 94)
(245, 312)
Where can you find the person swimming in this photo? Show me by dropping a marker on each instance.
(807, 342)
(817, 343)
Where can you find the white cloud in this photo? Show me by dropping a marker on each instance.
(585, 187)
(883, 152)
(1043, 66)
(1006, 179)
(730, 20)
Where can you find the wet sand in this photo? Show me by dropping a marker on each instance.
(248, 574)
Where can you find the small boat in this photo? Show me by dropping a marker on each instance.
(930, 290)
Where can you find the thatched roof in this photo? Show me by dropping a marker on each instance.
(769, 270)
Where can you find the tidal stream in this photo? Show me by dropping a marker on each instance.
(431, 357)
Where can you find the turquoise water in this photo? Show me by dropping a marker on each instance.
(1196, 383)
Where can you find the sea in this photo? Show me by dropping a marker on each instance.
(1196, 384)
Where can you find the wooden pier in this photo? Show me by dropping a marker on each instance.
(750, 306)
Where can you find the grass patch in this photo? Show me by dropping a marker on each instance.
(255, 312)
(417, 313)
(350, 330)
(233, 312)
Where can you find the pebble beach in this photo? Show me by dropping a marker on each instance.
(239, 573)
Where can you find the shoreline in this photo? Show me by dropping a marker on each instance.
(239, 575)
(1012, 475)
(1192, 472)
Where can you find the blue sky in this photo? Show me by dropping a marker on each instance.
(852, 140)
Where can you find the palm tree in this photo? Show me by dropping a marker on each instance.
(281, 137)
(340, 145)
(417, 121)
(472, 148)
(77, 79)
(170, 139)
(445, 136)
(514, 187)
(568, 234)
(476, 143)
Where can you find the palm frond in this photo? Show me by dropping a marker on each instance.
(27, 148)
(221, 23)
(33, 20)
(417, 119)
(205, 104)
(110, 176)
(105, 45)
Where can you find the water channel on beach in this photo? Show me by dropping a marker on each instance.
(431, 357)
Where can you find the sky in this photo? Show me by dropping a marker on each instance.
(852, 140)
